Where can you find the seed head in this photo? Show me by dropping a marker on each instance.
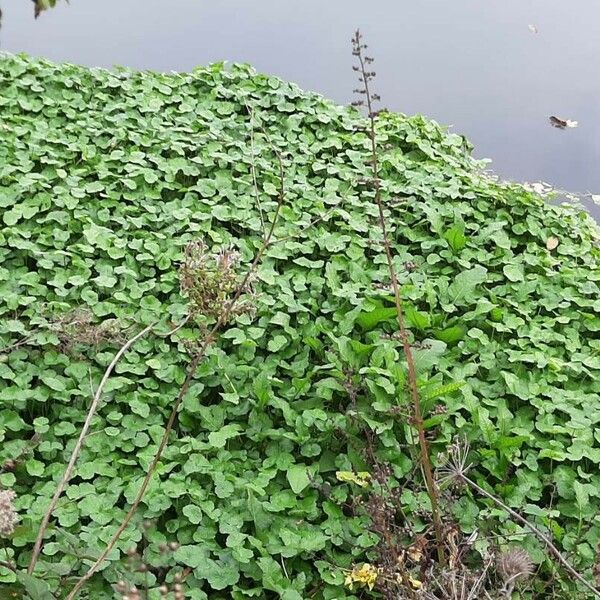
(515, 564)
(211, 282)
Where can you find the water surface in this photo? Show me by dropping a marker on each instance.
(468, 63)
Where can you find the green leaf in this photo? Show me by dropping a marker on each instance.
(11, 217)
(218, 439)
(298, 478)
(193, 513)
(277, 343)
(370, 320)
(444, 390)
(514, 272)
(450, 335)
(417, 319)
(465, 284)
(191, 555)
(37, 589)
(455, 236)
(219, 574)
(581, 495)
(54, 382)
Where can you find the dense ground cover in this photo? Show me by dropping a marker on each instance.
(106, 176)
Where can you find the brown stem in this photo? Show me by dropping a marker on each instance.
(208, 340)
(425, 459)
(77, 449)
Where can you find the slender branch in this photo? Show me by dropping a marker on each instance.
(12, 347)
(8, 565)
(425, 460)
(191, 372)
(539, 534)
(176, 328)
(253, 169)
(77, 449)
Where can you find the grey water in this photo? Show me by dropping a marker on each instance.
(495, 70)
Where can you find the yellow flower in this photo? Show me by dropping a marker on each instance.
(365, 575)
(417, 585)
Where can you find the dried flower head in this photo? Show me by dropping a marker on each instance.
(77, 327)
(514, 565)
(455, 464)
(211, 282)
(8, 514)
(365, 76)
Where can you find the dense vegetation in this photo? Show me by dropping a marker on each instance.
(104, 179)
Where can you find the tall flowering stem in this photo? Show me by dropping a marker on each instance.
(367, 98)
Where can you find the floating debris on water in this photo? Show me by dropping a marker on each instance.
(563, 123)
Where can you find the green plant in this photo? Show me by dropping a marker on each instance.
(105, 177)
(216, 294)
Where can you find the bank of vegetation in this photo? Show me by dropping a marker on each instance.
(235, 222)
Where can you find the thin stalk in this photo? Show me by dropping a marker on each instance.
(425, 460)
(539, 534)
(191, 372)
(8, 565)
(77, 449)
(12, 347)
(253, 169)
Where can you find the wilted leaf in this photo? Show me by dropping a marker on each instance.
(539, 187)
(552, 243)
(362, 478)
